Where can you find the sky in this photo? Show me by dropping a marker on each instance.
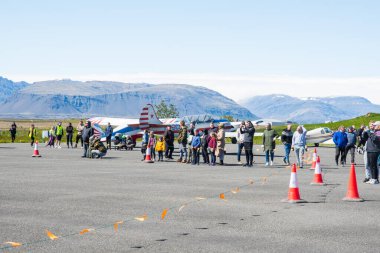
(238, 48)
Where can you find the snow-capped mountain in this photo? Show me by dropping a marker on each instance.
(309, 110)
(68, 98)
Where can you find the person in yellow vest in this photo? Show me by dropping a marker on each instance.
(59, 134)
(32, 134)
(160, 148)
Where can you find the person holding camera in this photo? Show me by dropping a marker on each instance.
(249, 131)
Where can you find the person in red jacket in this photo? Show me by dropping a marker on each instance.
(212, 146)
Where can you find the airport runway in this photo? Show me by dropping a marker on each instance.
(65, 194)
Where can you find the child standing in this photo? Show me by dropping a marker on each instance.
(160, 148)
(212, 147)
(195, 145)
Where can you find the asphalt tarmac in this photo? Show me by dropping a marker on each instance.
(64, 193)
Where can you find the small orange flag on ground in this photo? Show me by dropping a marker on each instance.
(86, 230)
(221, 196)
(51, 235)
(142, 218)
(163, 214)
(116, 225)
(14, 244)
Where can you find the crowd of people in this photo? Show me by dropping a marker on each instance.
(209, 144)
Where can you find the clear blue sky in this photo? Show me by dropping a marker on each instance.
(195, 41)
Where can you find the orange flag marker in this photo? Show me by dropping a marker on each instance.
(142, 218)
(86, 230)
(163, 214)
(14, 244)
(51, 235)
(116, 225)
(221, 196)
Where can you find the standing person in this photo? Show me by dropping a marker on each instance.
(351, 145)
(160, 148)
(182, 141)
(340, 140)
(221, 143)
(144, 143)
(152, 145)
(87, 132)
(240, 141)
(269, 143)
(365, 135)
(51, 137)
(204, 146)
(286, 139)
(189, 141)
(373, 152)
(196, 145)
(361, 141)
(109, 131)
(13, 131)
(213, 128)
(32, 134)
(299, 144)
(212, 146)
(169, 142)
(80, 128)
(249, 132)
(69, 135)
(59, 134)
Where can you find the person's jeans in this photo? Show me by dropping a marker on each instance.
(366, 165)
(267, 152)
(287, 152)
(239, 148)
(182, 151)
(340, 152)
(213, 157)
(300, 151)
(85, 148)
(351, 150)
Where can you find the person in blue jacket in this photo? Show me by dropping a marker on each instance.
(340, 140)
(196, 145)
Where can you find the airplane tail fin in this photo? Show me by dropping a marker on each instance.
(98, 132)
(148, 118)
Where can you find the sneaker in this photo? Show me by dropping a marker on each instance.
(179, 160)
(266, 164)
(271, 163)
(239, 162)
(365, 180)
(371, 181)
(376, 181)
(245, 165)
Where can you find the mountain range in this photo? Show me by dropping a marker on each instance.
(73, 99)
(67, 98)
(310, 109)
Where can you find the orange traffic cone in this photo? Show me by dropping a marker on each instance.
(318, 174)
(148, 158)
(35, 152)
(314, 163)
(352, 191)
(294, 194)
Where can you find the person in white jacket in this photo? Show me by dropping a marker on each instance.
(240, 142)
(299, 144)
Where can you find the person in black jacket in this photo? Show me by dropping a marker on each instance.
(69, 135)
(286, 139)
(169, 141)
(88, 131)
(13, 130)
(249, 131)
(373, 152)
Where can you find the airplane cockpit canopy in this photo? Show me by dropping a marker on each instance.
(200, 118)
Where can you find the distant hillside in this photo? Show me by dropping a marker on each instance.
(309, 110)
(70, 99)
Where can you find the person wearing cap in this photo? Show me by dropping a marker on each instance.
(373, 152)
(59, 134)
(340, 140)
(249, 132)
(351, 145)
(221, 143)
(87, 132)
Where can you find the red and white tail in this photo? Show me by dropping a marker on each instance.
(148, 118)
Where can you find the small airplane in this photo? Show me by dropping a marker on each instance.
(149, 120)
